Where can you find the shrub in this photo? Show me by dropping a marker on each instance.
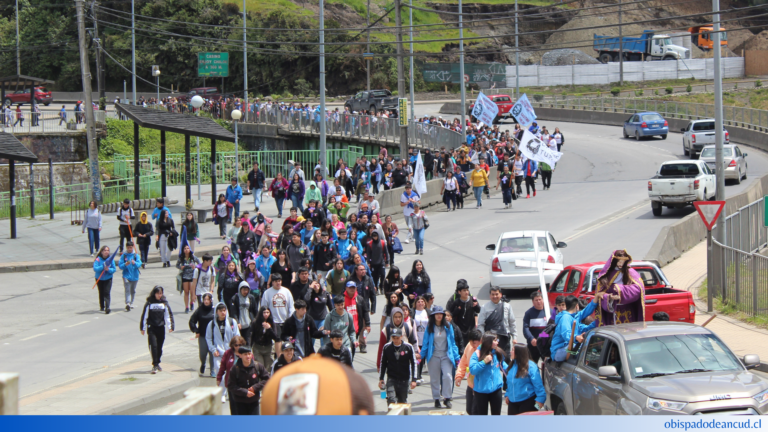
(656, 92)
(758, 83)
(669, 90)
(638, 92)
(735, 86)
(394, 93)
(689, 88)
(616, 91)
(538, 97)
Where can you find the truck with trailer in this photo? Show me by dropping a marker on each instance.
(649, 46)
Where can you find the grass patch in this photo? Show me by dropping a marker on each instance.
(730, 308)
(628, 86)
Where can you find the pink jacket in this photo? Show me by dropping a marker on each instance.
(227, 361)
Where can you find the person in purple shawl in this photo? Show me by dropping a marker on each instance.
(620, 292)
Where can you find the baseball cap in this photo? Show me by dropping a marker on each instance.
(316, 386)
(351, 284)
(287, 346)
(396, 332)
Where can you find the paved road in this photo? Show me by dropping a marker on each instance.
(53, 333)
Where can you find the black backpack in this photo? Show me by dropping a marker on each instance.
(544, 341)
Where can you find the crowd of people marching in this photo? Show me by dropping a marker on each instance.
(282, 289)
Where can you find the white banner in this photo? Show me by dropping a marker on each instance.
(535, 149)
(485, 110)
(419, 178)
(523, 111)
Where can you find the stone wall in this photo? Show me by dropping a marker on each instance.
(69, 147)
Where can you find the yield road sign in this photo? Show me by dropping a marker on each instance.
(709, 211)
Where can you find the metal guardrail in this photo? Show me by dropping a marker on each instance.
(47, 121)
(740, 279)
(749, 118)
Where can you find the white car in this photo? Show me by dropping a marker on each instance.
(518, 245)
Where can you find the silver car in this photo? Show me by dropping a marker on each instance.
(652, 368)
(734, 160)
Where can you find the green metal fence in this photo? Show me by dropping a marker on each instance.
(77, 196)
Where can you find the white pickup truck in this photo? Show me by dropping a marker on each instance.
(679, 183)
(698, 134)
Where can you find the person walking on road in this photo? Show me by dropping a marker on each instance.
(187, 263)
(559, 139)
(546, 175)
(157, 316)
(279, 300)
(247, 379)
(464, 309)
(263, 336)
(398, 364)
(441, 354)
(336, 350)
(143, 232)
(530, 168)
(487, 365)
(449, 189)
(518, 171)
(301, 330)
(340, 319)
(125, 214)
(218, 336)
(130, 263)
(165, 231)
(288, 356)
(534, 322)
(279, 191)
(417, 282)
(92, 224)
(478, 179)
(198, 323)
(256, 182)
(506, 181)
(227, 361)
(408, 198)
(193, 230)
(473, 343)
(525, 390)
(497, 316)
(419, 223)
(104, 268)
(244, 308)
(234, 194)
(296, 192)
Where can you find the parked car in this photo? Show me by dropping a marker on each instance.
(734, 160)
(505, 104)
(518, 245)
(211, 93)
(655, 368)
(679, 183)
(42, 96)
(373, 101)
(580, 280)
(698, 134)
(646, 124)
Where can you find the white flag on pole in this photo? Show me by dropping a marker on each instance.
(535, 149)
(419, 178)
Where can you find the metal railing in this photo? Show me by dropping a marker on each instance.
(47, 121)
(67, 196)
(740, 279)
(749, 118)
(745, 230)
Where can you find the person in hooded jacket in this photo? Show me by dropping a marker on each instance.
(229, 281)
(103, 274)
(244, 308)
(340, 319)
(398, 321)
(143, 232)
(464, 308)
(246, 380)
(263, 336)
(219, 334)
(156, 317)
(441, 354)
(198, 323)
(227, 361)
(301, 330)
(130, 264)
(313, 193)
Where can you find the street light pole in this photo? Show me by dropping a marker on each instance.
(322, 88)
(621, 52)
(400, 74)
(517, 59)
(197, 102)
(18, 52)
(719, 134)
(236, 115)
(368, 48)
(410, 35)
(133, 51)
(245, 69)
(461, 79)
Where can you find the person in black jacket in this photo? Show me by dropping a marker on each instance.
(336, 350)
(398, 363)
(300, 328)
(319, 303)
(156, 317)
(377, 257)
(287, 357)
(166, 237)
(323, 257)
(143, 232)
(464, 309)
(246, 241)
(300, 286)
(262, 336)
(364, 286)
(198, 323)
(243, 307)
(246, 380)
(256, 181)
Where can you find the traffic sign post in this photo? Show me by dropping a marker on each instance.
(709, 211)
(765, 211)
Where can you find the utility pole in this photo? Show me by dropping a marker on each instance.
(99, 54)
(621, 52)
(461, 79)
(18, 47)
(368, 48)
(323, 158)
(245, 70)
(517, 59)
(133, 51)
(93, 151)
(410, 36)
(719, 138)
(401, 75)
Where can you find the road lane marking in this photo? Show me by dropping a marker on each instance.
(605, 222)
(32, 337)
(73, 325)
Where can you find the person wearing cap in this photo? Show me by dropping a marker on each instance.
(234, 194)
(198, 323)
(247, 378)
(125, 214)
(336, 350)
(357, 306)
(441, 354)
(244, 307)
(286, 357)
(398, 364)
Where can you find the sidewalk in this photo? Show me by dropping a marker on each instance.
(687, 273)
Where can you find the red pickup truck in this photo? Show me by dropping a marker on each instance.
(42, 96)
(504, 102)
(580, 280)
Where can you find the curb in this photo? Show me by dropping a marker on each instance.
(152, 401)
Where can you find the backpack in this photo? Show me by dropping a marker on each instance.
(544, 341)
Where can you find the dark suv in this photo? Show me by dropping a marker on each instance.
(374, 101)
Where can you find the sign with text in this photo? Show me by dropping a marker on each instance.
(473, 73)
(536, 149)
(402, 115)
(213, 64)
(485, 110)
(523, 111)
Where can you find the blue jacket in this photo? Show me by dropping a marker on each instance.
(488, 377)
(428, 346)
(156, 212)
(306, 236)
(264, 265)
(529, 163)
(98, 267)
(130, 271)
(564, 321)
(234, 194)
(520, 389)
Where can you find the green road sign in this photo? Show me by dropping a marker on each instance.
(765, 211)
(213, 64)
(402, 116)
